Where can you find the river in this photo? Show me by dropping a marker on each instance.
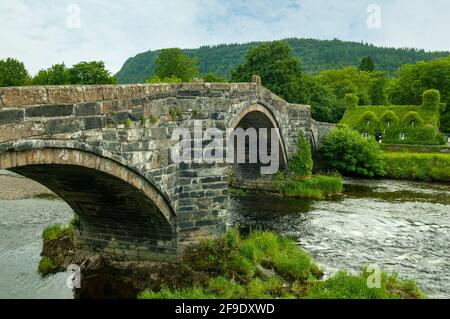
(404, 227)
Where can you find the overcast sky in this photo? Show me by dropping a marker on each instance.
(45, 32)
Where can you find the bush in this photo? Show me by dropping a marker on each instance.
(348, 152)
(417, 166)
(301, 164)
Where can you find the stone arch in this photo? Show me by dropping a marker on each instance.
(122, 213)
(234, 122)
(246, 174)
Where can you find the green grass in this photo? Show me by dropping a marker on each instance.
(347, 286)
(55, 231)
(315, 187)
(417, 166)
(233, 270)
(46, 267)
(238, 192)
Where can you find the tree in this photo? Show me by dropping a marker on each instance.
(89, 73)
(414, 79)
(301, 164)
(367, 64)
(348, 80)
(174, 63)
(57, 74)
(377, 88)
(212, 78)
(348, 152)
(280, 72)
(13, 73)
(325, 106)
(171, 79)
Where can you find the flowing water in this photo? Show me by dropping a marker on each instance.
(403, 227)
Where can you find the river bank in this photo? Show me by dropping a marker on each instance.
(15, 187)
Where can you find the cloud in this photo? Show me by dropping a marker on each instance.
(36, 31)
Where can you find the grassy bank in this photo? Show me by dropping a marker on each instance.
(417, 166)
(315, 187)
(46, 265)
(267, 266)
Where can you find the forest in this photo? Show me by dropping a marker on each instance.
(316, 56)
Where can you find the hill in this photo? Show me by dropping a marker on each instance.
(316, 55)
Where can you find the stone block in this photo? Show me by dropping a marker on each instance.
(88, 109)
(23, 96)
(11, 116)
(58, 110)
(63, 126)
(94, 122)
(65, 94)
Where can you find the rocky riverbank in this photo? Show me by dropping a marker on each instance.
(14, 187)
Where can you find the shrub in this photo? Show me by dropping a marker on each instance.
(301, 164)
(417, 166)
(348, 152)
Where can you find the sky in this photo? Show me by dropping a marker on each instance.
(44, 32)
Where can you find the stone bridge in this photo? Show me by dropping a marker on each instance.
(105, 150)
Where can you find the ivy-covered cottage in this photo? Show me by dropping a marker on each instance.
(398, 124)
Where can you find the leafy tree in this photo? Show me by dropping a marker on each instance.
(348, 80)
(367, 64)
(174, 63)
(212, 78)
(377, 88)
(414, 79)
(171, 79)
(280, 72)
(301, 164)
(347, 151)
(57, 74)
(13, 73)
(325, 106)
(89, 73)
